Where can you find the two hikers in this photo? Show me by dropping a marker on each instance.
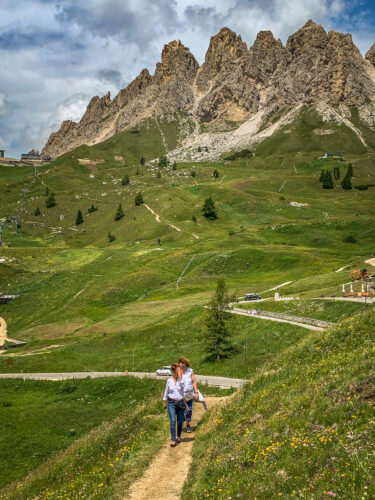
(180, 391)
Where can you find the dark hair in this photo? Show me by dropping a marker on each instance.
(184, 360)
(174, 367)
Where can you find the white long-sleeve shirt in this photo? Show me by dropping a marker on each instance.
(174, 390)
(187, 380)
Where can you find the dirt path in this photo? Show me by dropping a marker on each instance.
(157, 218)
(158, 481)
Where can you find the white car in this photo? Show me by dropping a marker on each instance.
(164, 371)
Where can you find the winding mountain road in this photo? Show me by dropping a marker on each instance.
(210, 380)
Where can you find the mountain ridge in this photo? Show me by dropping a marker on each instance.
(234, 84)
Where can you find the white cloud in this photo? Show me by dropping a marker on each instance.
(61, 53)
(4, 105)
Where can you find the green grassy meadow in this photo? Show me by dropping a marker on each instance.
(90, 304)
(290, 435)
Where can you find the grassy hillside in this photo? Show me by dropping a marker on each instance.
(309, 132)
(303, 428)
(79, 438)
(75, 285)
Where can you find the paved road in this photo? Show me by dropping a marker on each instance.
(280, 320)
(202, 379)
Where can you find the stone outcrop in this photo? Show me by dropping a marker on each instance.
(233, 84)
(370, 55)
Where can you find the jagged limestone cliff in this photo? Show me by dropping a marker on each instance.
(235, 84)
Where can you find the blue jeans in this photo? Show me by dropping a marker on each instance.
(189, 411)
(176, 415)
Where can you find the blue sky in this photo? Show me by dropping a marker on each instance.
(56, 54)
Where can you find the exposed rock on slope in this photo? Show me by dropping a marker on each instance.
(235, 85)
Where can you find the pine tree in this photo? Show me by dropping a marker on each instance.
(120, 213)
(37, 212)
(138, 199)
(350, 170)
(79, 218)
(216, 331)
(199, 149)
(346, 183)
(193, 174)
(125, 181)
(142, 160)
(111, 237)
(163, 161)
(322, 174)
(158, 175)
(92, 209)
(336, 173)
(174, 166)
(51, 201)
(328, 180)
(209, 209)
(215, 174)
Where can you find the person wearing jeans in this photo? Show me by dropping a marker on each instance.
(174, 399)
(190, 389)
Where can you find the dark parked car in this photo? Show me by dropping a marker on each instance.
(252, 296)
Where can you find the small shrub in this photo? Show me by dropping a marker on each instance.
(125, 181)
(37, 212)
(349, 239)
(51, 200)
(111, 237)
(138, 199)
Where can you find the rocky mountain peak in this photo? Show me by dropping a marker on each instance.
(225, 47)
(233, 85)
(370, 55)
(176, 61)
(310, 37)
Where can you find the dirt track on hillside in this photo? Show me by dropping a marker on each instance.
(166, 475)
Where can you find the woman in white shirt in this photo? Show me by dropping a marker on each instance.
(174, 399)
(190, 389)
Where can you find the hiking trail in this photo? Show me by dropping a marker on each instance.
(166, 475)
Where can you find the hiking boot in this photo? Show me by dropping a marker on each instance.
(188, 428)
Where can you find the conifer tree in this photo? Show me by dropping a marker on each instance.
(138, 199)
(215, 174)
(51, 201)
(193, 174)
(120, 213)
(79, 218)
(217, 334)
(125, 181)
(163, 161)
(158, 175)
(174, 166)
(209, 210)
(92, 209)
(37, 212)
(328, 180)
(350, 170)
(346, 183)
(199, 149)
(142, 160)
